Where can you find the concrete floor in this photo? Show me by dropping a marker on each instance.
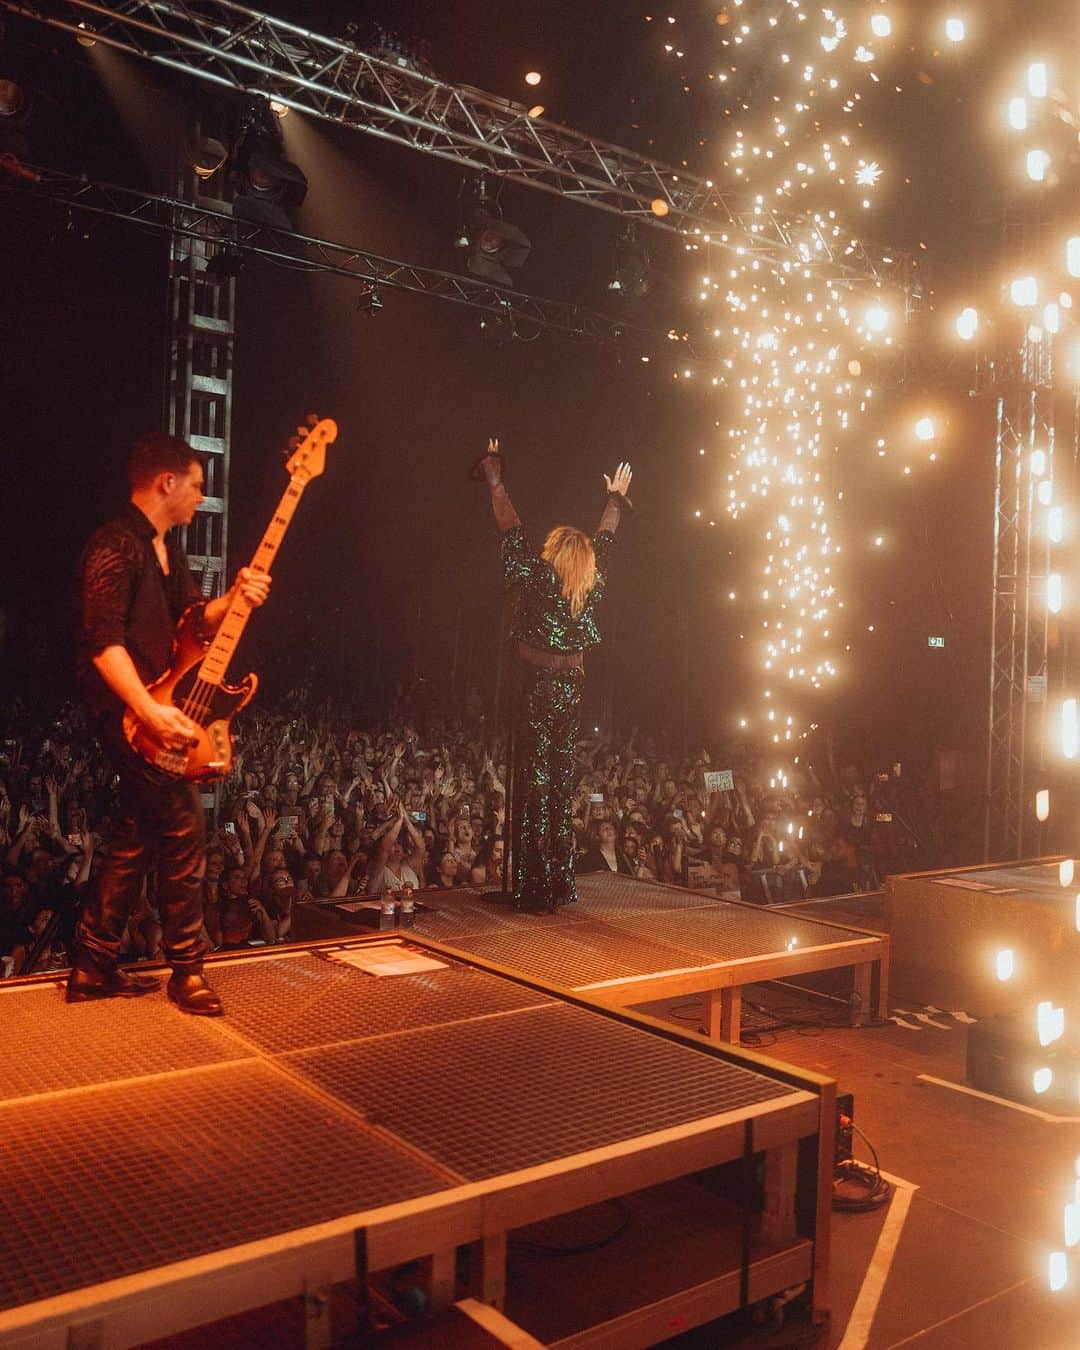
(969, 1268)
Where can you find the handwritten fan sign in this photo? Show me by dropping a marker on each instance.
(720, 780)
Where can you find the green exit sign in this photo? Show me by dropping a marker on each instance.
(935, 642)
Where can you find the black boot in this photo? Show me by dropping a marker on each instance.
(191, 994)
(87, 981)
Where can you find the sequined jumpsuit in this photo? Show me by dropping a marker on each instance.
(547, 721)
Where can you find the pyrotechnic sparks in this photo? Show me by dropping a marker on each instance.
(788, 334)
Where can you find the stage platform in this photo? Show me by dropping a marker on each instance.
(947, 928)
(630, 942)
(162, 1172)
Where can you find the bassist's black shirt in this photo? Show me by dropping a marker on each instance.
(126, 600)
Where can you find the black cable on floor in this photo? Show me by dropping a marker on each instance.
(876, 1189)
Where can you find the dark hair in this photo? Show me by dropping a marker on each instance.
(156, 452)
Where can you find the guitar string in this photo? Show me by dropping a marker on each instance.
(201, 695)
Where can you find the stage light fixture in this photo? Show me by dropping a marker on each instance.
(370, 302)
(494, 244)
(1038, 79)
(499, 326)
(278, 108)
(967, 324)
(206, 156)
(268, 187)
(630, 277)
(1057, 1272)
(1070, 745)
(14, 117)
(85, 36)
(881, 25)
(1018, 113)
(12, 99)
(955, 30)
(1072, 256)
(1049, 1022)
(1024, 291)
(225, 265)
(1038, 161)
(877, 318)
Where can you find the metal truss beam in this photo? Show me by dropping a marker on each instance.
(524, 315)
(237, 48)
(1019, 622)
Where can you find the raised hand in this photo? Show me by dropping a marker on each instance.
(489, 465)
(620, 483)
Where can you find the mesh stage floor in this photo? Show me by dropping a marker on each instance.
(633, 933)
(135, 1138)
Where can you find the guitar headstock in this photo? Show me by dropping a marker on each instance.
(307, 449)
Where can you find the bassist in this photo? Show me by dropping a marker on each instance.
(134, 583)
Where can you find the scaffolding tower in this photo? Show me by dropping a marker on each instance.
(200, 339)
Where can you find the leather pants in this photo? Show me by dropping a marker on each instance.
(157, 819)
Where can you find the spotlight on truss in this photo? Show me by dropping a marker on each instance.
(499, 327)
(407, 53)
(370, 302)
(268, 188)
(630, 276)
(226, 264)
(494, 244)
(206, 156)
(14, 117)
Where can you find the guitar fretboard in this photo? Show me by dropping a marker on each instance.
(221, 650)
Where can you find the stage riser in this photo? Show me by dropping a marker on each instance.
(945, 941)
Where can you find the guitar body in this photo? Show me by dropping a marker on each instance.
(195, 680)
(210, 706)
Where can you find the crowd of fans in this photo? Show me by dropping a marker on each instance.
(319, 807)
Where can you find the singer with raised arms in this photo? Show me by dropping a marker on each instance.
(560, 591)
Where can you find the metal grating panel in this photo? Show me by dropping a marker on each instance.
(571, 954)
(732, 933)
(605, 895)
(513, 1092)
(121, 1179)
(457, 912)
(100, 1042)
(295, 1003)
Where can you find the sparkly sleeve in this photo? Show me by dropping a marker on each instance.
(602, 542)
(108, 581)
(517, 557)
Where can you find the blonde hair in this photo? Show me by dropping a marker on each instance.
(570, 553)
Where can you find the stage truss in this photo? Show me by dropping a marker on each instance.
(1019, 622)
(233, 47)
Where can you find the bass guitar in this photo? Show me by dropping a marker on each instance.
(195, 679)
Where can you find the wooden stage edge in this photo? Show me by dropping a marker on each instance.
(781, 1244)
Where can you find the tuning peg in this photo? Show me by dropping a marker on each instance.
(301, 434)
(313, 419)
